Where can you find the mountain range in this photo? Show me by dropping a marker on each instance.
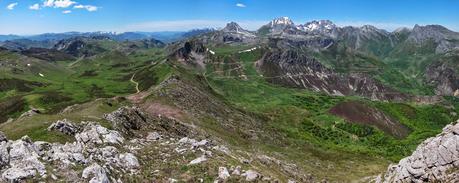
(312, 102)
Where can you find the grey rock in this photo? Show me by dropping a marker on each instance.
(251, 175)
(30, 113)
(2, 137)
(198, 160)
(23, 160)
(96, 134)
(67, 154)
(4, 155)
(435, 160)
(153, 136)
(186, 140)
(97, 173)
(129, 161)
(223, 173)
(237, 170)
(65, 126)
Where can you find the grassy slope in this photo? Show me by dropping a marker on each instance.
(313, 124)
(315, 139)
(69, 82)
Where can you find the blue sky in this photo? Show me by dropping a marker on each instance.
(39, 16)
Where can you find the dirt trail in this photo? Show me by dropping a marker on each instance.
(135, 82)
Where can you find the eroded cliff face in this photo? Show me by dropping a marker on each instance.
(435, 160)
(443, 78)
(293, 69)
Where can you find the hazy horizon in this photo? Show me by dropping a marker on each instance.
(31, 17)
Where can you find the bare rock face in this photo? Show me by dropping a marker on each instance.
(435, 160)
(444, 38)
(292, 68)
(443, 78)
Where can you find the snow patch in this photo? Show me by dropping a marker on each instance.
(248, 50)
(210, 51)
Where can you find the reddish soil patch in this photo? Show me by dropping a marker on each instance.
(158, 109)
(138, 97)
(358, 112)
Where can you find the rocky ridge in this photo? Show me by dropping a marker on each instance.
(101, 155)
(434, 160)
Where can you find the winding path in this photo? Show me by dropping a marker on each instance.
(135, 82)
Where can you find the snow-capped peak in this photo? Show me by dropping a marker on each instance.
(281, 21)
(317, 26)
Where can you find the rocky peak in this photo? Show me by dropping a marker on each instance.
(444, 38)
(233, 27)
(436, 32)
(318, 25)
(281, 21)
(419, 28)
(368, 28)
(279, 25)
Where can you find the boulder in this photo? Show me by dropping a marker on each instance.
(186, 140)
(97, 173)
(153, 136)
(198, 160)
(64, 126)
(128, 161)
(251, 175)
(95, 134)
(68, 153)
(30, 112)
(223, 173)
(237, 171)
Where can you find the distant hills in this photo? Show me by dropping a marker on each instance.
(166, 36)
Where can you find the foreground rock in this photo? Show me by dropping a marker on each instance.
(160, 151)
(64, 126)
(23, 159)
(435, 160)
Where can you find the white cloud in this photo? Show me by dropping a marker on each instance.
(183, 25)
(87, 7)
(35, 7)
(58, 3)
(11, 6)
(48, 3)
(240, 5)
(66, 11)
